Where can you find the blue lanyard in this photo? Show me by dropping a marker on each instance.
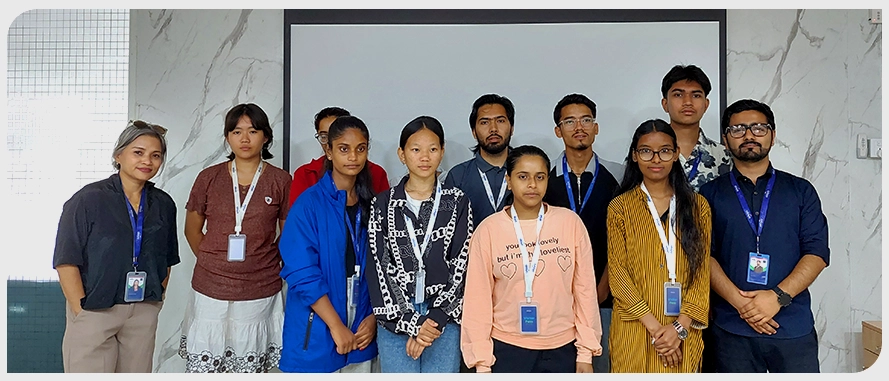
(136, 221)
(762, 210)
(694, 167)
(589, 190)
(357, 244)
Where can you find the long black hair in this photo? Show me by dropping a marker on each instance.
(687, 211)
(363, 185)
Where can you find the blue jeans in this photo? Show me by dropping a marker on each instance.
(602, 364)
(443, 356)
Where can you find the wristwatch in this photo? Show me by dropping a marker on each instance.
(784, 298)
(683, 333)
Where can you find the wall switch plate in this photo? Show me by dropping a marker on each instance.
(861, 146)
(875, 148)
(876, 16)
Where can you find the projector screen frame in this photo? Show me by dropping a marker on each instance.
(488, 16)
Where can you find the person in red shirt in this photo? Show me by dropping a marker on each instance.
(309, 173)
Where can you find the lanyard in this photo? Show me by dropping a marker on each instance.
(668, 246)
(136, 221)
(694, 168)
(762, 210)
(419, 250)
(529, 267)
(589, 190)
(357, 244)
(241, 209)
(494, 203)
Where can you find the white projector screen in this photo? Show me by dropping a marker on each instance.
(387, 74)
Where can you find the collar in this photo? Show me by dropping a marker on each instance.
(483, 164)
(766, 175)
(316, 165)
(329, 188)
(118, 187)
(590, 167)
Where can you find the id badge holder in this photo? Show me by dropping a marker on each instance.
(529, 323)
(420, 291)
(758, 269)
(672, 298)
(237, 246)
(353, 287)
(135, 291)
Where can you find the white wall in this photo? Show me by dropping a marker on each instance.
(820, 70)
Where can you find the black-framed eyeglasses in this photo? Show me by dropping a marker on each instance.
(154, 127)
(647, 154)
(321, 137)
(739, 130)
(586, 121)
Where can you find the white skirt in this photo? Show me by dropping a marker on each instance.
(221, 336)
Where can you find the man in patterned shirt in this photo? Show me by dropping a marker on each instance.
(685, 90)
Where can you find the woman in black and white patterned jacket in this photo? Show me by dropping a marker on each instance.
(421, 324)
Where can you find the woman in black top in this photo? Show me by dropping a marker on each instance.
(114, 234)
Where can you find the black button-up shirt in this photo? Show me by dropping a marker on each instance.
(794, 226)
(96, 235)
(465, 176)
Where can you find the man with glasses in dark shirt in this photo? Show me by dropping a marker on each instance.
(769, 244)
(309, 173)
(580, 181)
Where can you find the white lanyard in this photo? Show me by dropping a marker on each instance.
(487, 185)
(669, 247)
(419, 250)
(530, 268)
(241, 209)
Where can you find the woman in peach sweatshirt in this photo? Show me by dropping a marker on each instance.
(530, 299)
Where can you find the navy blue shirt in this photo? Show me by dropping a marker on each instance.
(465, 176)
(794, 226)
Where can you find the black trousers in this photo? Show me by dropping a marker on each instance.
(741, 354)
(513, 359)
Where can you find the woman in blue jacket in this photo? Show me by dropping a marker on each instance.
(329, 325)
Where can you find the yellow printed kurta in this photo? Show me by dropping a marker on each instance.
(637, 270)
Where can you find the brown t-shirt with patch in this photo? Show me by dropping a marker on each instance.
(258, 276)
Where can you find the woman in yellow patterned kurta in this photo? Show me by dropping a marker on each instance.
(637, 264)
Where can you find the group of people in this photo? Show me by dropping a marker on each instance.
(510, 262)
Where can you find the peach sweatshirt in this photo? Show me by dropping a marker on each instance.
(564, 288)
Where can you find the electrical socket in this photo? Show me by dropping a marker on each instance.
(876, 16)
(875, 148)
(861, 147)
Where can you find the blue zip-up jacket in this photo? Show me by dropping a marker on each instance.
(313, 247)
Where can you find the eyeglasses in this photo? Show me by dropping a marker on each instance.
(571, 123)
(154, 127)
(321, 137)
(739, 130)
(647, 154)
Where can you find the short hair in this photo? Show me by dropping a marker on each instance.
(571, 99)
(258, 119)
(746, 105)
(328, 112)
(685, 73)
(418, 124)
(490, 99)
(133, 130)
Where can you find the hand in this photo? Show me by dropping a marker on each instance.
(366, 332)
(583, 367)
(672, 358)
(414, 349)
(76, 309)
(767, 328)
(428, 333)
(667, 339)
(344, 339)
(761, 306)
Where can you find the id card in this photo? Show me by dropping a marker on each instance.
(420, 291)
(758, 268)
(528, 322)
(135, 291)
(237, 246)
(672, 298)
(353, 290)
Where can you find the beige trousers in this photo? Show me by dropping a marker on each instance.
(119, 339)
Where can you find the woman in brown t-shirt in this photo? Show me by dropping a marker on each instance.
(234, 317)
